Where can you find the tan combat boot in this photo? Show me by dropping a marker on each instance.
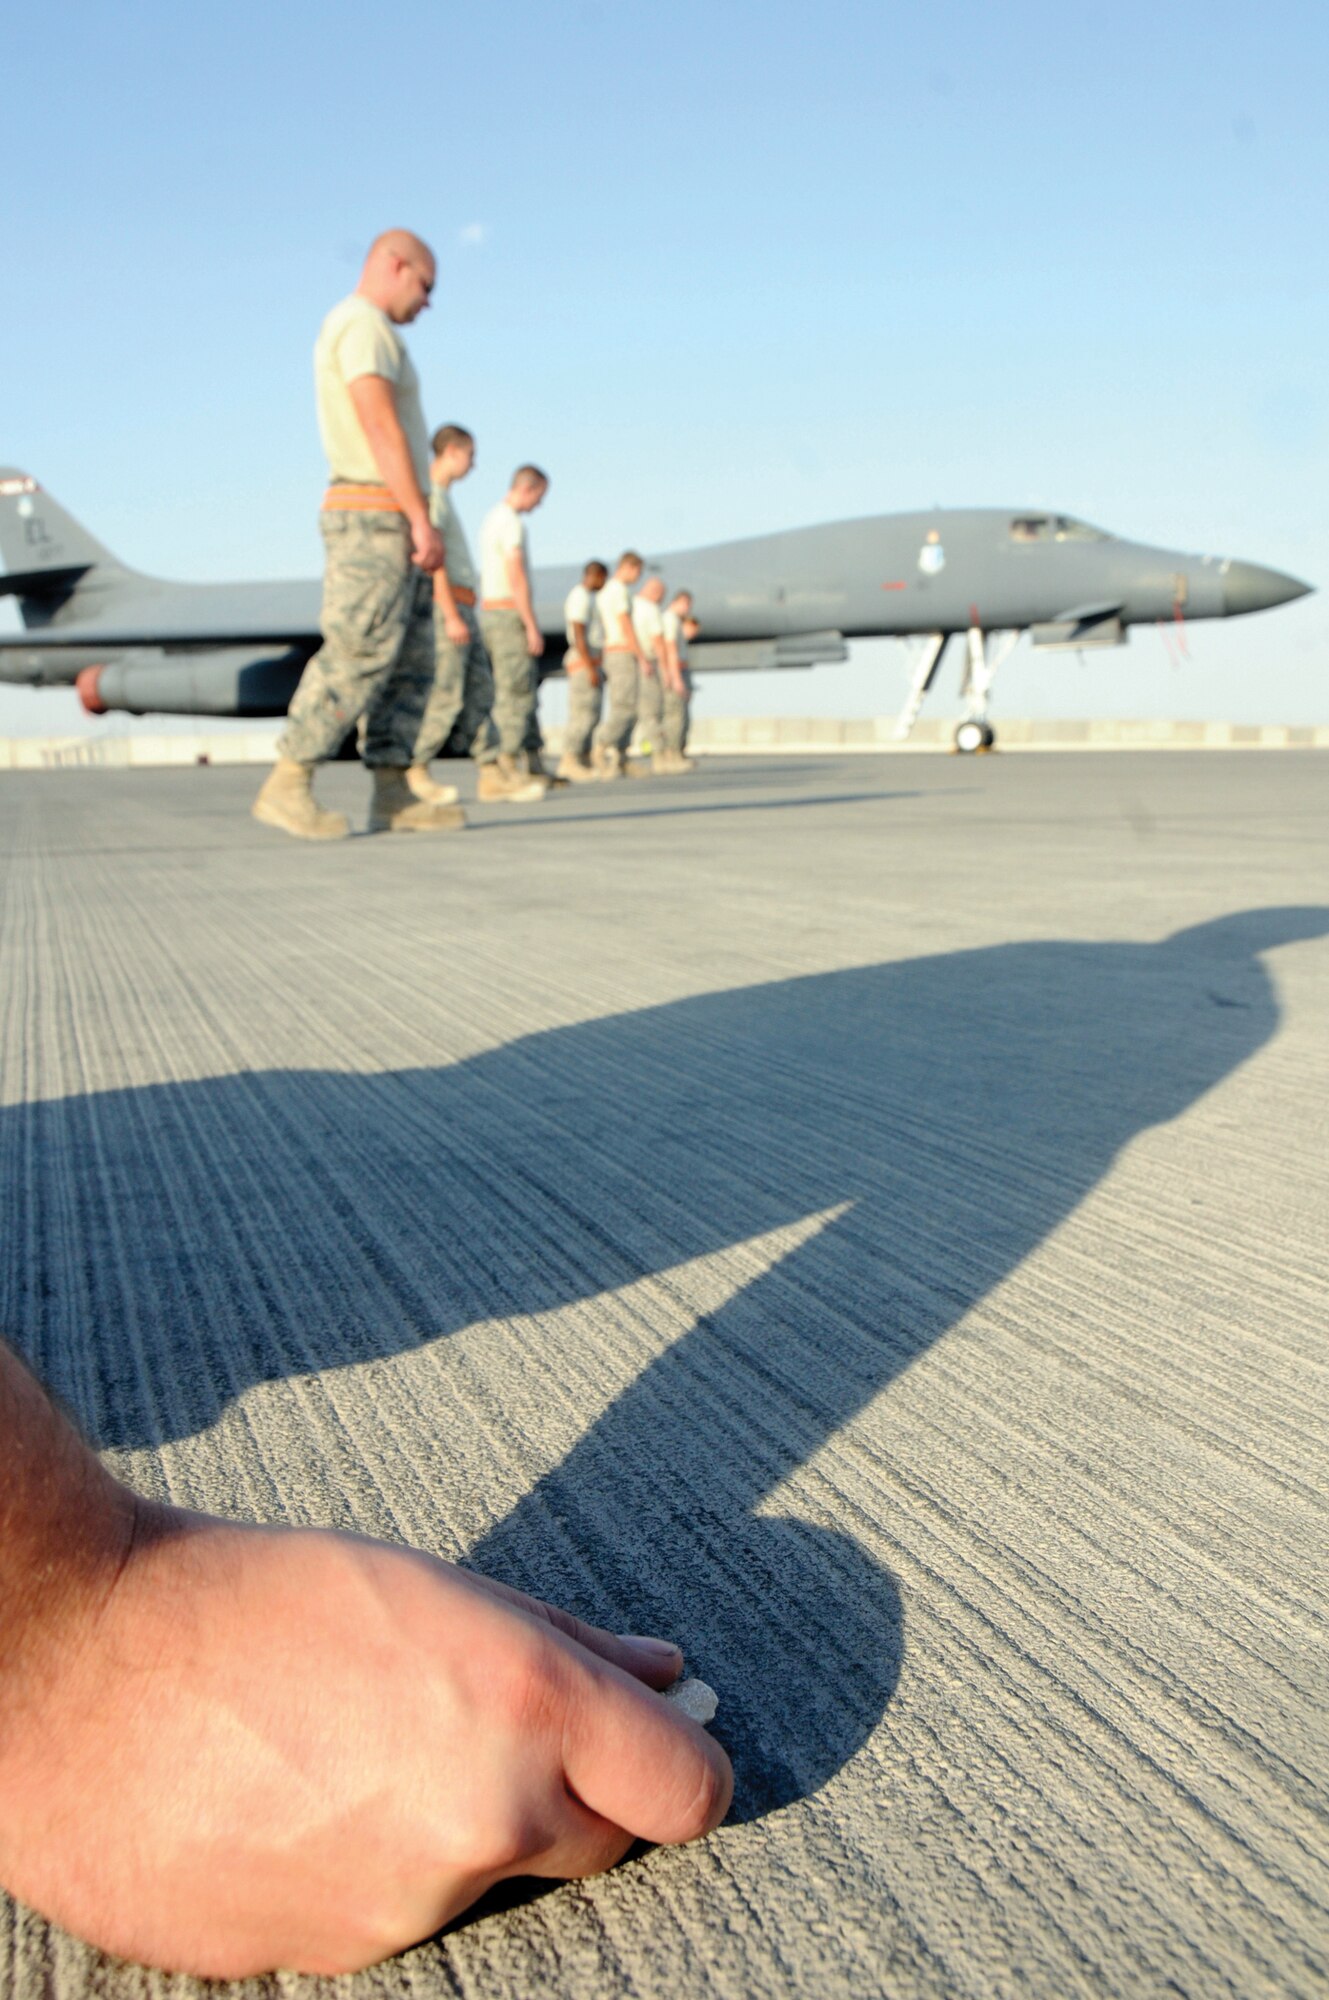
(576, 770)
(395, 808)
(286, 800)
(672, 763)
(505, 780)
(429, 789)
(606, 762)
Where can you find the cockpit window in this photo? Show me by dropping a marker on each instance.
(1050, 527)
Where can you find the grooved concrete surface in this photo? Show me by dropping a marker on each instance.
(866, 1218)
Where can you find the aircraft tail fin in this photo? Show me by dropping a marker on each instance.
(49, 559)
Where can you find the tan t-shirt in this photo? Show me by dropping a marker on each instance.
(503, 534)
(614, 603)
(672, 623)
(581, 607)
(356, 339)
(648, 624)
(456, 552)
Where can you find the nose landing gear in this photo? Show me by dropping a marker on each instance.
(975, 734)
(973, 738)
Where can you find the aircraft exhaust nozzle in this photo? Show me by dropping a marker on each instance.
(85, 686)
(1247, 587)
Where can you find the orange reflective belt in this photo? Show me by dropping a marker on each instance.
(499, 604)
(344, 497)
(462, 594)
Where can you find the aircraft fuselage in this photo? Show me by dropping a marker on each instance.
(785, 599)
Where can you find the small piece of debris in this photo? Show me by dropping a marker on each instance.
(697, 1701)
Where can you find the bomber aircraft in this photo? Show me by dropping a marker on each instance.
(794, 599)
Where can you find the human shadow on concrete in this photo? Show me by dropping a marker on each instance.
(685, 807)
(915, 1129)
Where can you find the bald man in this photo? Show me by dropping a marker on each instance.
(377, 656)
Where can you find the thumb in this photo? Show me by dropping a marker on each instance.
(633, 1759)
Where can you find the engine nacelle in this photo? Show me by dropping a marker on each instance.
(231, 680)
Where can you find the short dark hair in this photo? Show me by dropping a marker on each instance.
(594, 568)
(447, 434)
(530, 475)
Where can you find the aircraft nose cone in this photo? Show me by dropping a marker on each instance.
(1247, 587)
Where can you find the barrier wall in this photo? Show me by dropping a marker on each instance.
(729, 736)
(769, 735)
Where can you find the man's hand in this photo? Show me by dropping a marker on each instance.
(426, 544)
(520, 586)
(274, 1747)
(445, 607)
(582, 663)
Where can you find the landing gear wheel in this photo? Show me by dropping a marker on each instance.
(970, 737)
(989, 736)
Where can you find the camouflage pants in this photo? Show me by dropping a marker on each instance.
(456, 719)
(585, 700)
(677, 713)
(621, 674)
(377, 656)
(514, 682)
(535, 741)
(650, 711)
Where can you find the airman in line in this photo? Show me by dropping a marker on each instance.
(507, 619)
(679, 627)
(582, 662)
(648, 624)
(624, 663)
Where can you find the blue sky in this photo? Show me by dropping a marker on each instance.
(720, 268)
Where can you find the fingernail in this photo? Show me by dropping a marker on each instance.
(655, 1649)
